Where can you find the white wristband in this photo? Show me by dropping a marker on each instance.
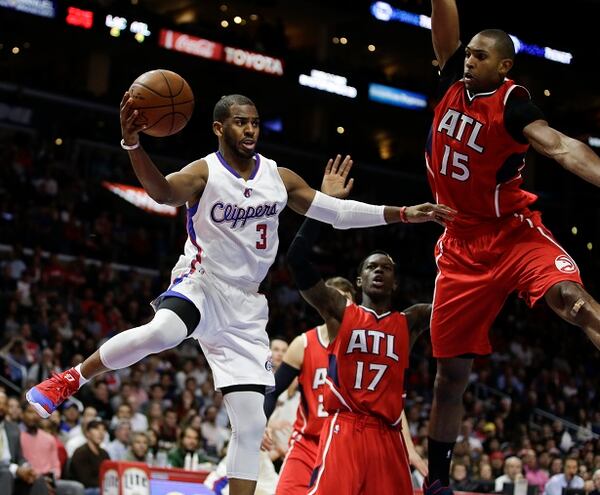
(128, 147)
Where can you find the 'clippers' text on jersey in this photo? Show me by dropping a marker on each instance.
(232, 230)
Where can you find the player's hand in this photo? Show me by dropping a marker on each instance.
(129, 115)
(428, 212)
(336, 174)
(418, 462)
(267, 443)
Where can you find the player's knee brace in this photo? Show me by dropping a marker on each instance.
(165, 331)
(245, 410)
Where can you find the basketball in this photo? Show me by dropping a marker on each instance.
(165, 102)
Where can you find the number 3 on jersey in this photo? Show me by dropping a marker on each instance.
(261, 228)
(460, 170)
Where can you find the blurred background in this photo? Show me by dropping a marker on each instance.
(83, 253)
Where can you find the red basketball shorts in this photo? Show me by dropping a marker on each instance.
(360, 455)
(298, 465)
(476, 275)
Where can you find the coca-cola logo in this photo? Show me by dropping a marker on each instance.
(200, 47)
(192, 45)
(196, 46)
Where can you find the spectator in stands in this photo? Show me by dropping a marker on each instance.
(39, 447)
(139, 421)
(169, 430)
(459, 478)
(101, 401)
(467, 435)
(121, 397)
(155, 416)
(85, 463)
(207, 390)
(77, 436)
(14, 350)
(16, 476)
(556, 466)
(51, 425)
(278, 347)
(70, 417)
(139, 448)
(137, 390)
(117, 448)
(485, 481)
(44, 369)
(596, 481)
(497, 463)
(152, 442)
(533, 473)
(41, 452)
(513, 471)
(189, 443)
(187, 405)
(14, 412)
(214, 435)
(15, 265)
(157, 394)
(222, 417)
(567, 479)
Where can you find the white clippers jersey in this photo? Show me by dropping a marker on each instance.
(232, 230)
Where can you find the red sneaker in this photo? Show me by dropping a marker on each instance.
(51, 393)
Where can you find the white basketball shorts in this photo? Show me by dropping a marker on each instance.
(232, 329)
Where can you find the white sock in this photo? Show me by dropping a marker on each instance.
(82, 379)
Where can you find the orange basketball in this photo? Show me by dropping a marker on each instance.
(165, 102)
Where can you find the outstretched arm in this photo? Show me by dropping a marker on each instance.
(176, 189)
(572, 154)
(326, 300)
(445, 32)
(419, 318)
(345, 214)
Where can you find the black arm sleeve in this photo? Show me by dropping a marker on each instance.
(453, 70)
(283, 378)
(305, 274)
(519, 112)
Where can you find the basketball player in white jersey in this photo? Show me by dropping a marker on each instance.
(233, 199)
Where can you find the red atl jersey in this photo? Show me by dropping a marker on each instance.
(367, 363)
(311, 382)
(474, 164)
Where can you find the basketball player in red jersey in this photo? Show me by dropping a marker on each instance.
(307, 358)
(361, 449)
(482, 128)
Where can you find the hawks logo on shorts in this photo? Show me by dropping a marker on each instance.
(565, 264)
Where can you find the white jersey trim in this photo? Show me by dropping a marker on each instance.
(378, 316)
(319, 338)
(510, 90)
(325, 451)
(337, 394)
